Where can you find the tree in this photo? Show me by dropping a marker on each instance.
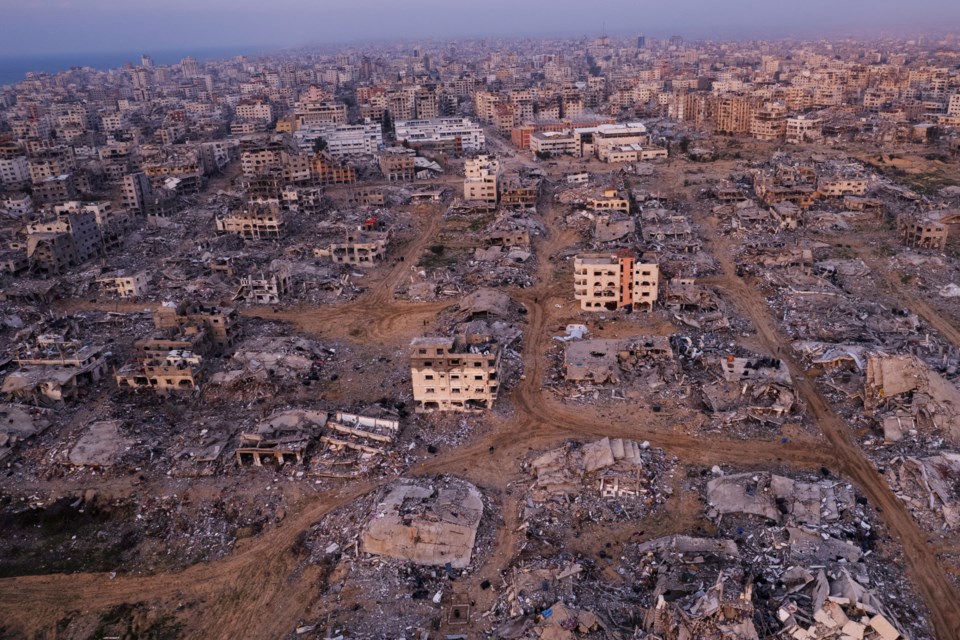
(319, 145)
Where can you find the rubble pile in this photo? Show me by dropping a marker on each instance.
(609, 480)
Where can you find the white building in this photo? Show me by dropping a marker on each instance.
(344, 139)
(257, 111)
(456, 134)
(14, 170)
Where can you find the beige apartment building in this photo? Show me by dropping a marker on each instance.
(130, 286)
(398, 164)
(839, 187)
(769, 122)
(927, 231)
(607, 282)
(461, 373)
(734, 113)
(804, 129)
(480, 183)
(254, 222)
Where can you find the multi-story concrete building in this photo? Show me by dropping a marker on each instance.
(14, 171)
(480, 183)
(836, 187)
(360, 248)
(398, 164)
(803, 129)
(554, 143)
(461, 373)
(255, 221)
(607, 282)
(320, 112)
(735, 113)
(219, 322)
(953, 105)
(256, 110)
(596, 141)
(769, 122)
(126, 286)
(68, 240)
(452, 135)
(926, 231)
(344, 139)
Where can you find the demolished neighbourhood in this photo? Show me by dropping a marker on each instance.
(551, 339)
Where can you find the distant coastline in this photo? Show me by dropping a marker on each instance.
(15, 68)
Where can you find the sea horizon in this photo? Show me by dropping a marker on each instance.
(14, 69)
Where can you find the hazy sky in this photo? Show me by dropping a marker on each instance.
(73, 26)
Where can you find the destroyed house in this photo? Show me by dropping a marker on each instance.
(360, 248)
(54, 372)
(282, 438)
(363, 434)
(194, 338)
(220, 322)
(454, 374)
(926, 231)
(507, 238)
(265, 289)
(254, 222)
(737, 369)
(516, 191)
(177, 372)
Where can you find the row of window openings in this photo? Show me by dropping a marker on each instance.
(492, 389)
(456, 376)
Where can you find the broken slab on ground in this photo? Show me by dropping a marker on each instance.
(426, 523)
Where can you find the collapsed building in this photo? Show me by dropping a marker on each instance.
(54, 371)
(426, 523)
(904, 388)
(266, 289)
(602, 361)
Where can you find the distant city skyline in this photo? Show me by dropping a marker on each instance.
(53, 27)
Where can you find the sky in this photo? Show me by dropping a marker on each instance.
(53, 27)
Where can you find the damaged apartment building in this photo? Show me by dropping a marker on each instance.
(170, 360)
(607, 282)
(265, 288)
(460, 373)
(927, 230)
(53, 370)
(70, 239)
(363, 247)
(254, 221)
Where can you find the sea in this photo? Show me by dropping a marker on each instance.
(15, 68)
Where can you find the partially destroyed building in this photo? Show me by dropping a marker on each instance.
(54, 370)
(360, 248)
(220, 322)
(177, 372)
(257, 220)
(607, 282)
(461, 373)
(925, 231)
(265, 289)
